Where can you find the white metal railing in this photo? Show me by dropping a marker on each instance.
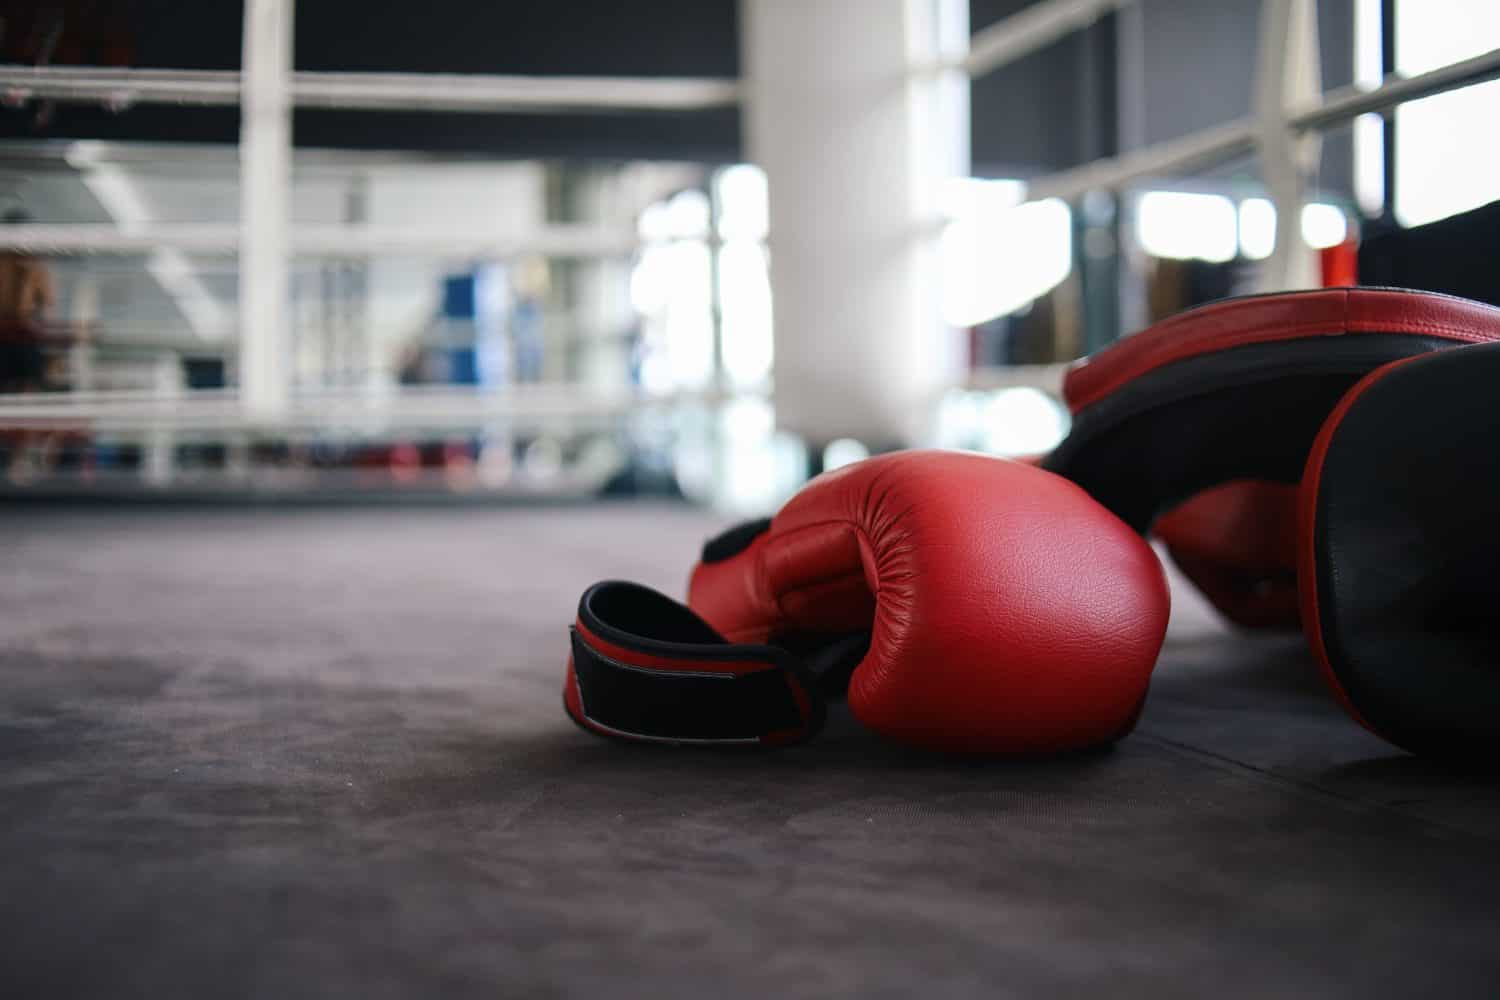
(539, 406)
(1201, 149)
(1237, 138)
(1026, 32)
(1347, 103)
(121, 88)
(351, 241)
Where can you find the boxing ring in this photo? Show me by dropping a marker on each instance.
(1290, 113)
(302, 750)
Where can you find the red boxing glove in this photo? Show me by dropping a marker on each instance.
(1005, 610)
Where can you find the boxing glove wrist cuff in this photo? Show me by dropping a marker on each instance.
(646, 668)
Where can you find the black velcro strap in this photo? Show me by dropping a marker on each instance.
(647, 668)
(683, 706)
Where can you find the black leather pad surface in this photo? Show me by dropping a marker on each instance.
(1244, 413)
(1408, 552)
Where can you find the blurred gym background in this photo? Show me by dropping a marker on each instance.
(465, 251)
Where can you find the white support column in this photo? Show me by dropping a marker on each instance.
(161, 440)
(1288, 79)
(265, 179)
(857, 136)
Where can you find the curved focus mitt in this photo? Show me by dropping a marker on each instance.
(1350, 425)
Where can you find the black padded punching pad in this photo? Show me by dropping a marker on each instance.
(1404, 507)
(1247, 412)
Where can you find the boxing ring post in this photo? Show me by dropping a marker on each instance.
(858, 118)
(265, 179)
(1287, 77)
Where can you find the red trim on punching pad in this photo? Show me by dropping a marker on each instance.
(1259, 319)
(1307, 526)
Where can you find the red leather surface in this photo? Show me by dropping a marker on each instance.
(1008, 611)
(1237, 542)
(1263, 318)
(1307, 548)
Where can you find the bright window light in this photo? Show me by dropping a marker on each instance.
(748, 476)
(689, 320)
(745, 301)
(1368, 40)
(957, 420)
(1257, 228)
(655, 223)
(1013, 422)
(744, 206)
(998, 256)
(842, 452)
(669, 287)
(749, 420)
(970, 197)
(1369, 164)
(1023, 421)
(1369, 130)
(1182, 225)
(1447, 147)
(687, 215)
(651, 280)
(1323, 225)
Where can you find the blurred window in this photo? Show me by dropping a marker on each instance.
(1015, 421)
(843, 451)
(744, 207)
(1323, 225)
(1447, 146)
(744, 274)
(674, 280)
(999, 253)
(1187, 226)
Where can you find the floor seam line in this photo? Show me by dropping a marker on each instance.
(1347, 802)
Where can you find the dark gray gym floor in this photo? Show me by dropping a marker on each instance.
(314, 753)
